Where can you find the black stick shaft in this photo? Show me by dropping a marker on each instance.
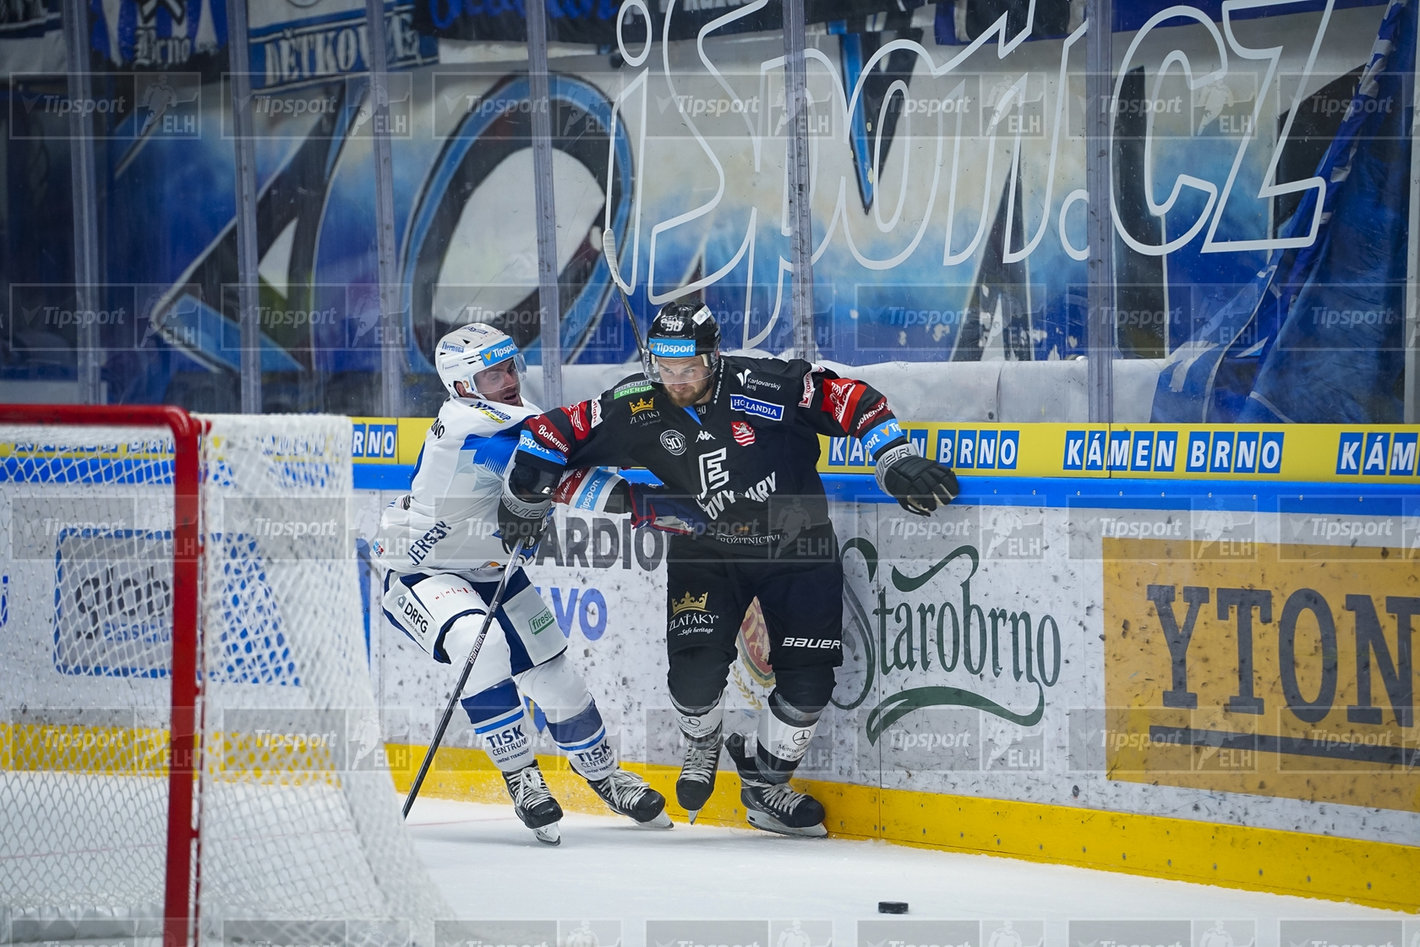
(493, 607)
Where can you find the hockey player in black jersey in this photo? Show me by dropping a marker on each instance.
(740, 436)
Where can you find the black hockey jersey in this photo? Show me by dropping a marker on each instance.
(748, 457)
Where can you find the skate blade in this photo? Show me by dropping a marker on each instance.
(661, 821)
(690, 815)
(548, 834)
(767, 823)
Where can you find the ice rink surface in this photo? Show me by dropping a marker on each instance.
(610, 882)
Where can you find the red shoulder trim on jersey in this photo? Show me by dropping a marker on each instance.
(840, 398)
(581, 423)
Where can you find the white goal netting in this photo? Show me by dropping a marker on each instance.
(299, 836)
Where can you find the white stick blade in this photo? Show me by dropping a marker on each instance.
(612, 260)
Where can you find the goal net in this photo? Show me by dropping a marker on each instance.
(189, 742)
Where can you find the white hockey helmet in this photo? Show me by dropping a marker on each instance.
(468, 350)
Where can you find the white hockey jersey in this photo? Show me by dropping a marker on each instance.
(448, 521)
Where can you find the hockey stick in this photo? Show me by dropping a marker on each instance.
(612, 262)
(493, 605)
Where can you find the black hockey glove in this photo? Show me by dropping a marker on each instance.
(523, 509)
(919, 485)
(520, 521)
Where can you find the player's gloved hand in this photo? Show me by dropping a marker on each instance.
(655, 507)
(521, 521)
(919, 485)
(523, 507)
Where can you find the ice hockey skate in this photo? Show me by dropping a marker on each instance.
(627, 794)
(773, 807)
(534, 804)
(697, 773)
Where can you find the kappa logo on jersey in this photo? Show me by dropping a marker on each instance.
(704, 435)
(743, 433)
(760, 409)
(673, 442)
(713, 474)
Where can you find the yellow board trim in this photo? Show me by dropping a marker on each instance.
(1377, 874)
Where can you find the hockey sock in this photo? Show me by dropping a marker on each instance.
(699, 724)
(784, 735)
(503, 728)
(573, 721)
(583, 738)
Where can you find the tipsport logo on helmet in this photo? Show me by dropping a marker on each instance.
(499, 352)
(673, 348)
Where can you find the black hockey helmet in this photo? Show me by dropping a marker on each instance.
(682, 330)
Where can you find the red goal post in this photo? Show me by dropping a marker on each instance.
(187, 551)
(181, 657)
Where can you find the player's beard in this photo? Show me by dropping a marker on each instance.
(683, 396)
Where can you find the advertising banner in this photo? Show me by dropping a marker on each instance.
(1276, 669)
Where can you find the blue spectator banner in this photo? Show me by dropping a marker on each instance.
(1261, 163)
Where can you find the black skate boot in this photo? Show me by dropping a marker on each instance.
(533, 804)
(773, 807)
(697, 773)
(627, 794)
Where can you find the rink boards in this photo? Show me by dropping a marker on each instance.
(1178, 650)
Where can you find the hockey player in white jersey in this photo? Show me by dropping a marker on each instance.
(444, 558)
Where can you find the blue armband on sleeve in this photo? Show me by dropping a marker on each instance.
(531, 445)
(880, 436)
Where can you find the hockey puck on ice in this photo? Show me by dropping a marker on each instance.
(892, 907)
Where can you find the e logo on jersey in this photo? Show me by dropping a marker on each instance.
(673, 442)
(713, 474)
